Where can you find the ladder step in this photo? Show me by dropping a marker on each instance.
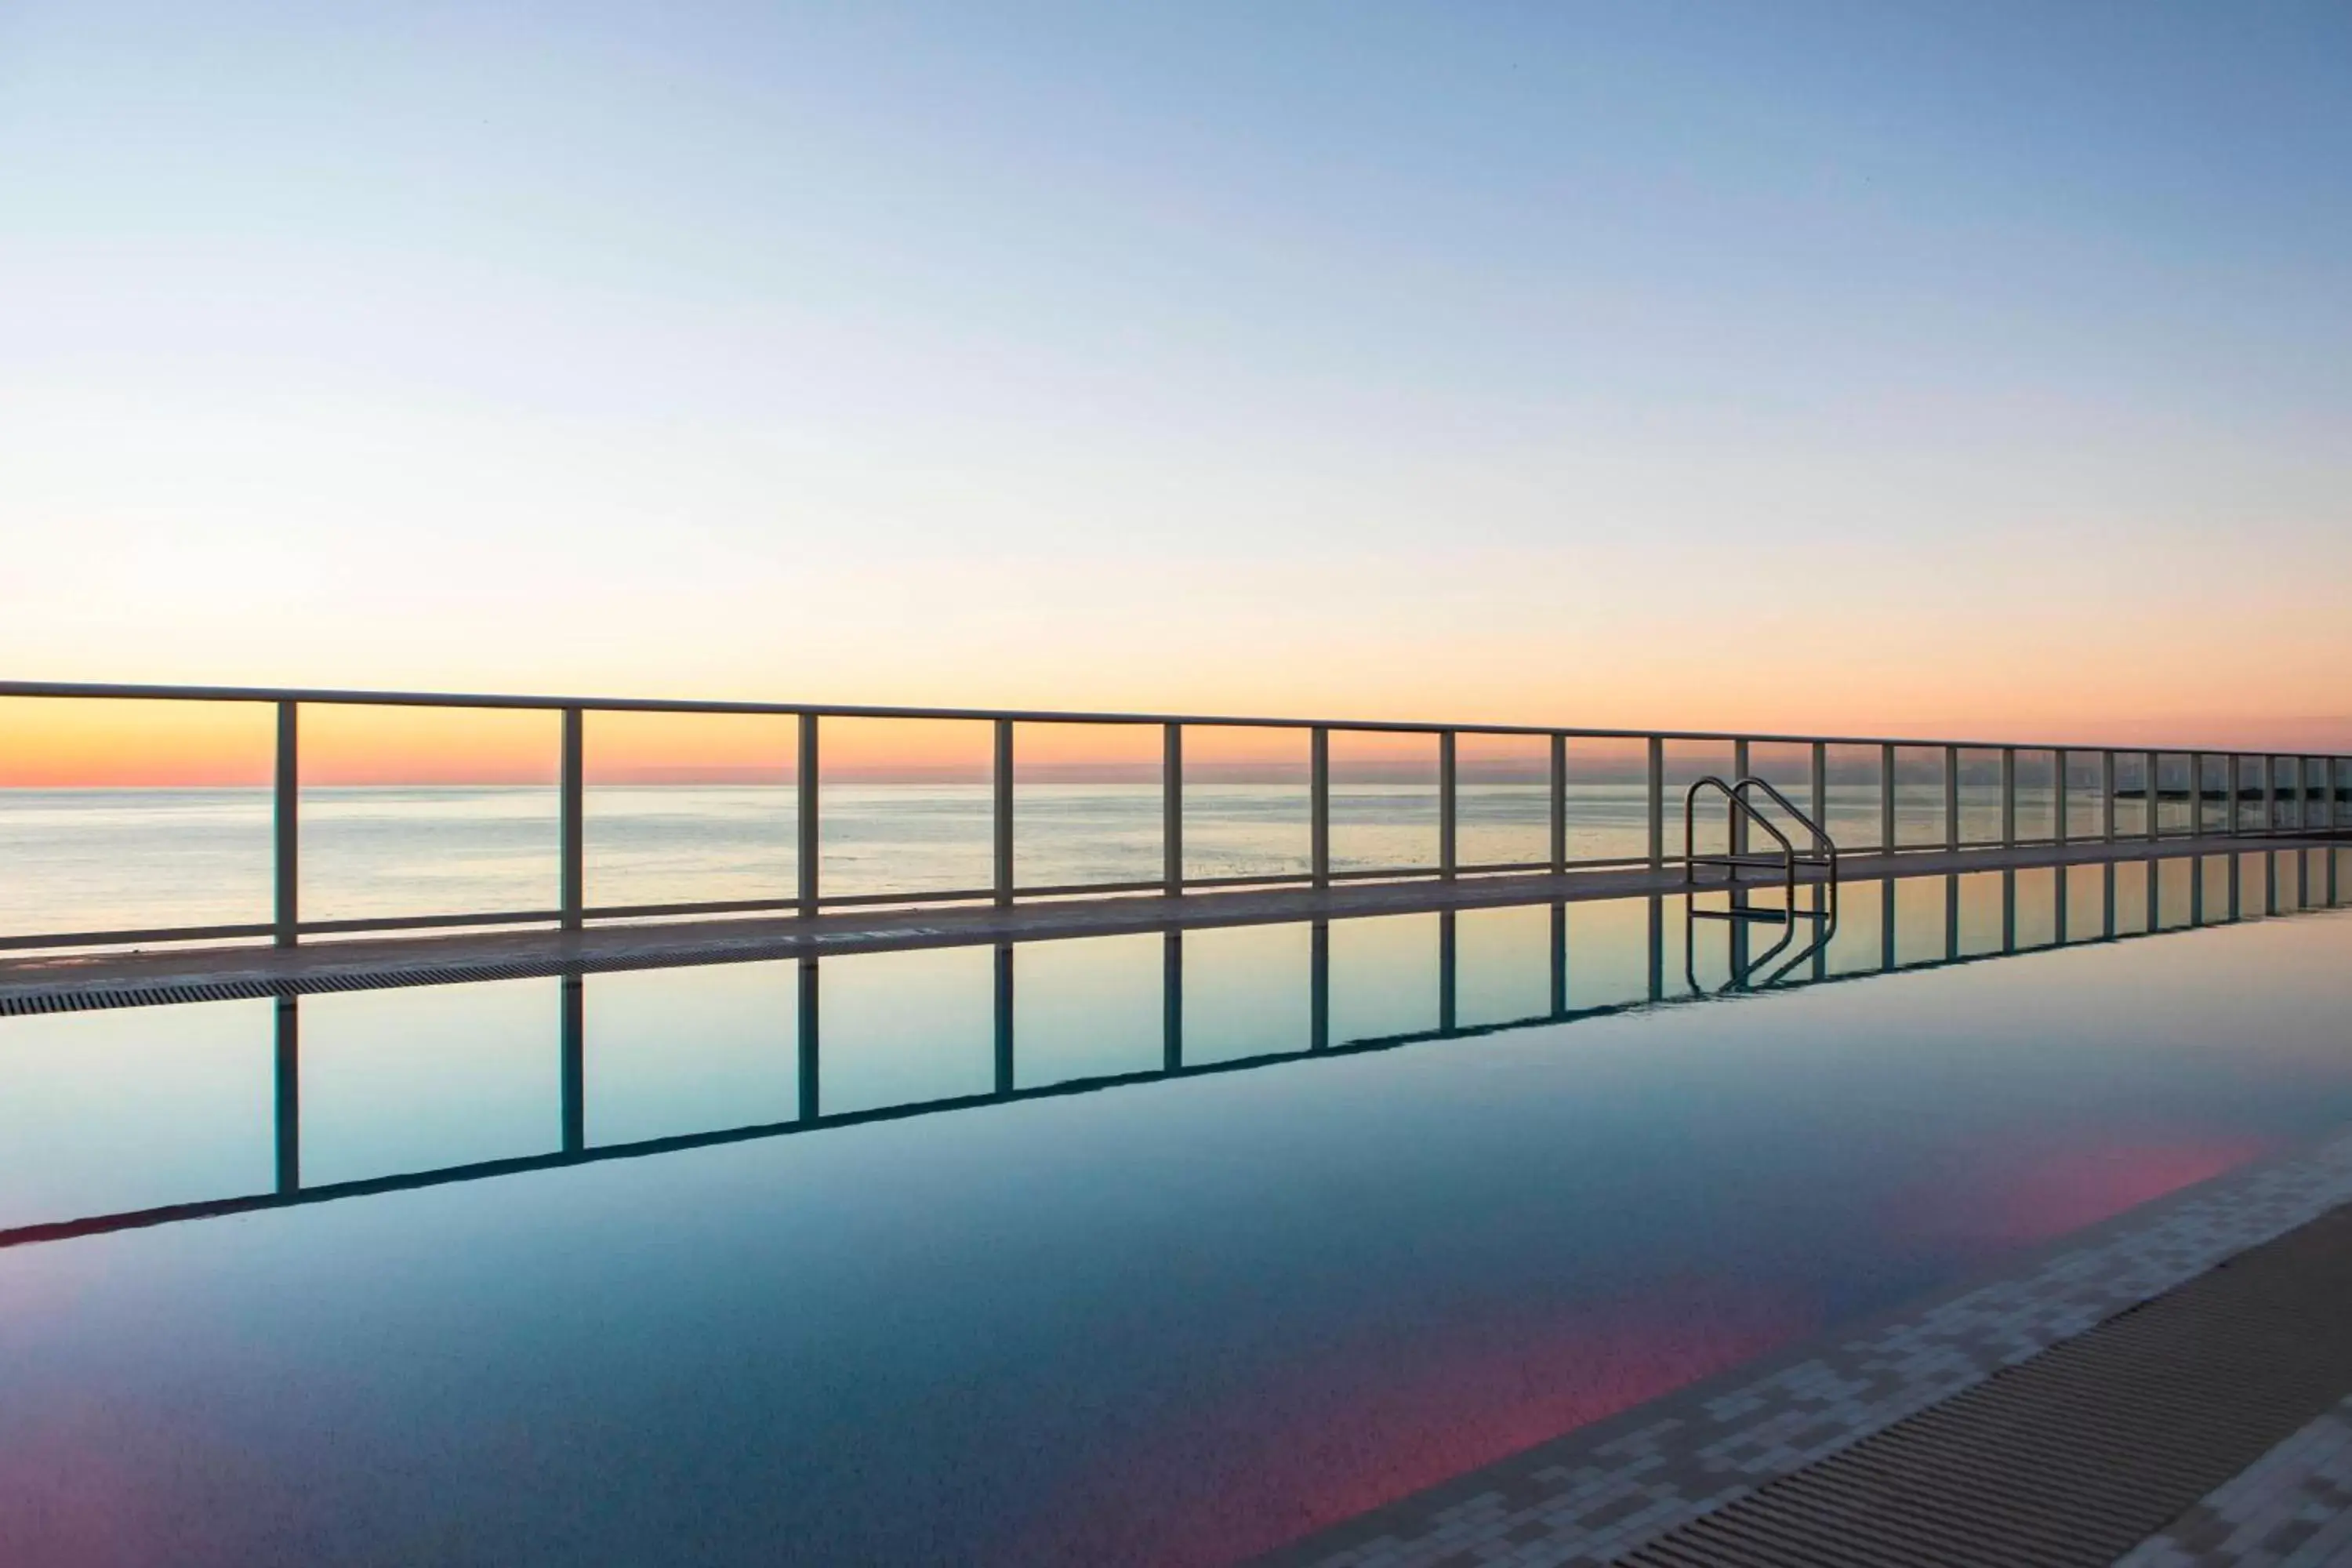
(1777, 917)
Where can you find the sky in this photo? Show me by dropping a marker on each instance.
(1970, 368)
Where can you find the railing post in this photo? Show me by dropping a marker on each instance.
(1318, 986)
(2008, 796)
(1821, 797)
(1658, 942)
(808, 1042)
(2148, 771)
(806, 788)
(1559, 805)
(289, 1083)
(1657, 791)
(2058, 805)
(572, 792)
(1951, 797)
(1559, 959)
(2270, 797)
(1318, 804)
(1171, 808)
(1887, 802)
(1171, 999)
(1001, 816)
(287, 835)
(2197, 805)
(2107, 798)
(1004, 1074)
(572, 1070)
(1736, 839)
(1448, 805)
(1447, 956)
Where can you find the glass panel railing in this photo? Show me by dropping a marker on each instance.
(1979, 777)
(2132, 786)
(409, 812)
(1918, 797)
(1088, 804)
(1245, 802)
(1609, 800)
(1502, 800)
(2175, 781)
(1855, 792)
(1385, 800)
(2086, 800)
(688, 807)
(1688, 761)
(2213, 794)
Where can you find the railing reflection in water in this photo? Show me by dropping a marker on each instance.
(798, 1044)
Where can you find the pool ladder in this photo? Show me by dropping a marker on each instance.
(1819, 854)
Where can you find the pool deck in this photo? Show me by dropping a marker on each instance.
(646, 944)
(2173, 1387)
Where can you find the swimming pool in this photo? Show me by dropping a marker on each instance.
(1140, 1248)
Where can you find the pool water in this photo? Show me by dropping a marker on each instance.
(1142, 1249)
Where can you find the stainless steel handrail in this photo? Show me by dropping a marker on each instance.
(1823, 842)
(1822, 853)
(1825, 846)
(1737, 808)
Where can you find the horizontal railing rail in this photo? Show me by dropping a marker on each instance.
(2087, 794)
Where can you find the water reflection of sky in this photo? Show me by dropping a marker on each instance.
(1171, 1322)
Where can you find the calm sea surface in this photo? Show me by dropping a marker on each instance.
(75, 861)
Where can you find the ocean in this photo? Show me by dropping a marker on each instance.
(100, 860)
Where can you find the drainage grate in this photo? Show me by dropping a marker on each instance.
(86, 998)
(2077, 1454)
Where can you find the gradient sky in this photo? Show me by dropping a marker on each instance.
(1971, 366)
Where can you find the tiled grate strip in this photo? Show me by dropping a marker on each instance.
(2075, 1455)
(86, 998)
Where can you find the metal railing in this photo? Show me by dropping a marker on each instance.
(1739, 815)
(1820, 854)
(2259, 794)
